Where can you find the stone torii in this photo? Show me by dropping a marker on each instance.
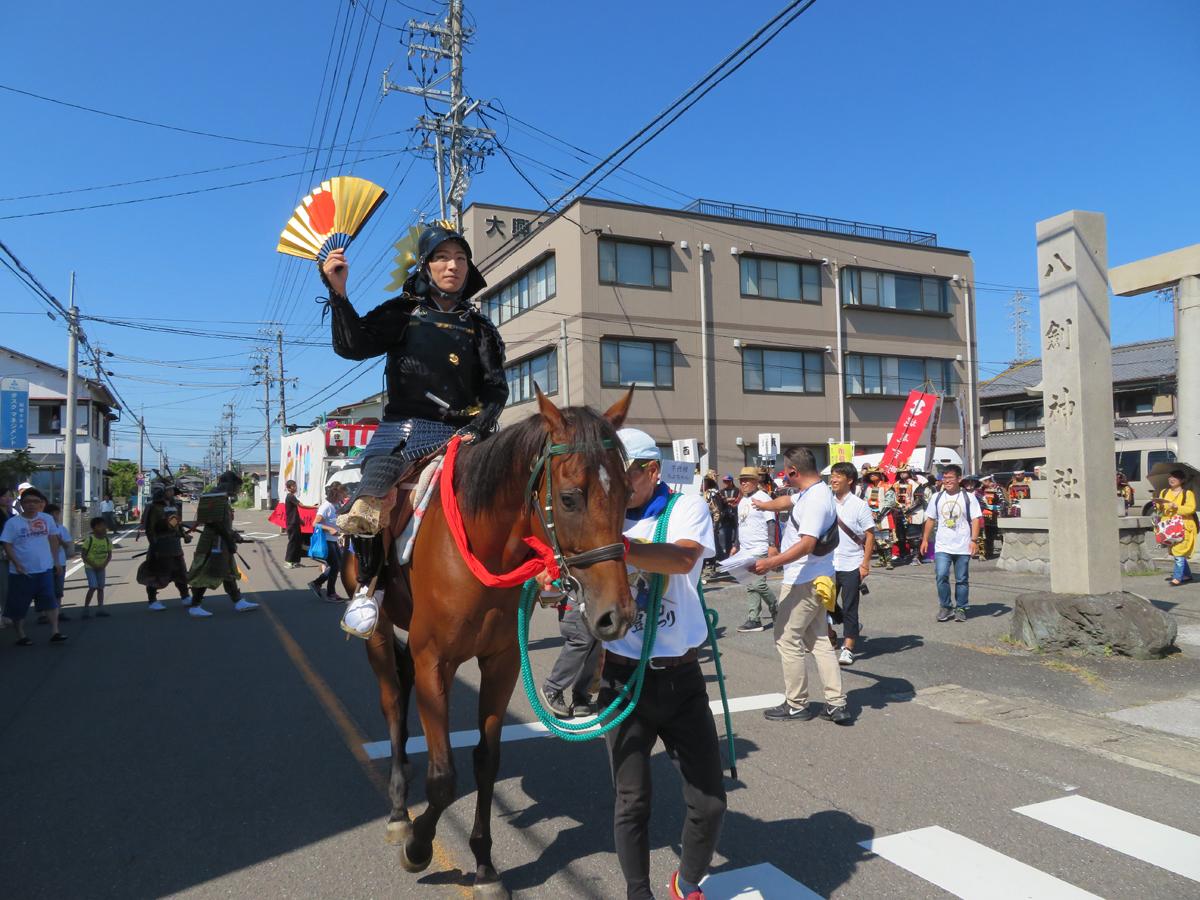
(1179, 269)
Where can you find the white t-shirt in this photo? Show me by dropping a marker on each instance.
(954, 514)
(327, 515)
(854, 512)
(814, 510)
(753, 534)
(29, 541)
(681, 624)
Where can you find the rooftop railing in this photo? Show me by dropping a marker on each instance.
(765, 216)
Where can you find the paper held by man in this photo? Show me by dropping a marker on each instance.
(739, 567)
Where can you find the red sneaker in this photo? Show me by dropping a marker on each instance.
(676, 894)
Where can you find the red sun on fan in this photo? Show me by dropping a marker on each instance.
(321, 212)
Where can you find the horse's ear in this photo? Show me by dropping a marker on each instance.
(550, 413)
(618, 411)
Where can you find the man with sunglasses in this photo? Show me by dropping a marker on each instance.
(673, 704)
(800, 627)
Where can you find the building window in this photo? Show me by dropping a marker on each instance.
(886, 290)
(644, 363)
(1135, 403)
(895, 376)
(540, 369)
(49, 420)
(1023, 417)
(638, 265)
(777, 279)
(785, 371)
(526, 290)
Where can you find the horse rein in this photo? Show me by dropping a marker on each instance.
(568, 583)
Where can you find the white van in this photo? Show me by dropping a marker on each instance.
(1135, 458)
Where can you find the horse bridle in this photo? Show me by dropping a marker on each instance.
(567, 582)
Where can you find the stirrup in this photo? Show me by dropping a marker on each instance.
(362, 612)
(363, 517)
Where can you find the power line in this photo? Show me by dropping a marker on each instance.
(148, 122)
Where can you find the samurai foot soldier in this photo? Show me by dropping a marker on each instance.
(215, 563)
(165, 534)
(906, 502)
(445, 376)
(881, 499)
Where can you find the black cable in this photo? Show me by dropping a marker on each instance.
(206, 190)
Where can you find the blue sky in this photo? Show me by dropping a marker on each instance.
(973, 120)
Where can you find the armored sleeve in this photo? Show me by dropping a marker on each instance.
(494, 393)
(364, 337)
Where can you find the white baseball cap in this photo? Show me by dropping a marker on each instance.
(638, 444)
(23, 487)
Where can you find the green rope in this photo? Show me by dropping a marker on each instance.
(613, 715)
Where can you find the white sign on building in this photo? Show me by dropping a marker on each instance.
(768, 445)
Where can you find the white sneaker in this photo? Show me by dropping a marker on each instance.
(362, 613)
(245, 605)
(846, 657)
(157, 605)
(199, 612)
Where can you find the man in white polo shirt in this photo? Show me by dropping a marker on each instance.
(673, 704)
(755, 537)
(800, 627)
(852, 558)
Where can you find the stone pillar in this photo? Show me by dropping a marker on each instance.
(1187, 377)
(1072, 259)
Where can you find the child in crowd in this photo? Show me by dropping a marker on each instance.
(31, 543)
(97, 554)
(66, 549)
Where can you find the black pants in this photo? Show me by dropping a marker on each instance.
(177, 572)
(229, 584)
(900, 524)
(333, 563)
(726, 538)
(849, 584)
(990, 531)
(577, 660)
(673, 706)
(292, 554)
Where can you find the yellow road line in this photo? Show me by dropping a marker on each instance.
(352, 736)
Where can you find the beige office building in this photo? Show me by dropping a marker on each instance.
(733, 321)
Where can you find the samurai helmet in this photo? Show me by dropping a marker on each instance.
(433, 236)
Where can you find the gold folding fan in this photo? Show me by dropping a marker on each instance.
(330, 217)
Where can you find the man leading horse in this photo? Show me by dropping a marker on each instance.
(445, 376)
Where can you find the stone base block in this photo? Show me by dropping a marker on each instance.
(1102, 623)
(1027, 549)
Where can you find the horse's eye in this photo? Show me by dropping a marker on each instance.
(572, 501)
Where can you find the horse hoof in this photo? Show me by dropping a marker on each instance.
(491, 890)
(407, 862)
(399, 831)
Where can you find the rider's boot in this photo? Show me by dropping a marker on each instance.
(362, 612)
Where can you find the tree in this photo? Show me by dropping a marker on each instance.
(16, 468)
(123, 482)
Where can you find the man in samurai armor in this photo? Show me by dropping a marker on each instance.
(881, 499)
(907, 498)
(1124, 490)
(445, 376)
(1018, 488)
(215, 562)
(162, 523)
(994, 502)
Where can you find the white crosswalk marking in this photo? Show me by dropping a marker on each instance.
(968, 869)
(1160, 845)
(529, 730)
(760, 882)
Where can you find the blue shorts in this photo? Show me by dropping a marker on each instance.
(37, 588)
(95, 577)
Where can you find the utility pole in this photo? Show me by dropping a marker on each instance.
(68, 502)
(141, 488)
(453, 145)
(230, 418)
(282, 395)
(1018, 316)
(264, 371)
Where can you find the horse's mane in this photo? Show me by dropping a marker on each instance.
(487, 469)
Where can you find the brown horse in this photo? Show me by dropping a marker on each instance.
(451, 617)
